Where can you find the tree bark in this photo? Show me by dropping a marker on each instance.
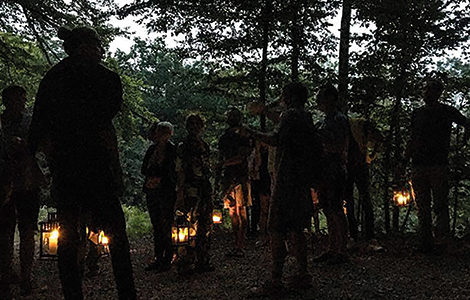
(265, 17)
(343, 67)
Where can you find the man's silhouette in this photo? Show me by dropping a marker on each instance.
(72, 120)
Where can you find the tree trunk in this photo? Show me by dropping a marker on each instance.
(344, 54)
(266, 14)
(295, 39)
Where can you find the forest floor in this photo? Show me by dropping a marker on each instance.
(395, 272)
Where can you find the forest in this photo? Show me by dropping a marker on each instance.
(234, 52)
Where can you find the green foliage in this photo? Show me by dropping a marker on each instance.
(137, 222)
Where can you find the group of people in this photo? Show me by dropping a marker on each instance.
(280, 172)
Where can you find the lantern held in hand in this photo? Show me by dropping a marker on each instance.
(49, 232)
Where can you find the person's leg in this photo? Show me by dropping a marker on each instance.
(422, 191)
(264, 209)
(279, 253)
(243, 224)
(255, 209)
(68, 247)
(440, 192)
(27, 206)
(349, 198)
(7, 234)
(299, 247)
(233, 212)
(115, 224)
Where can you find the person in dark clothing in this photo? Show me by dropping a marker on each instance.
(334, 134)
(25, 176)
(428, 149)
(290, 204)
(234, 149)
(194, 192)
(363, 135)
(260, 190)
(72, 121)
(158, 168)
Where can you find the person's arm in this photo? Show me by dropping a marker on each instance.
(458, 118)
(39, 128)
(269, 138)
(145, 163)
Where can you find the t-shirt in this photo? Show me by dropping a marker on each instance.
(431, 127)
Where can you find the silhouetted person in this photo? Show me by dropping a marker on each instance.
(260, 190)
(428, 149)
(158, 168)
(234, 149)
(25, 176)
(363, 135)
(72, 120)
(334, 133)
(5, 191)
(194, 191)
(290, 204)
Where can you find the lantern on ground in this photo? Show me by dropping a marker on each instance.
(180, 234)
(49, 232)
(100, 240)
(402, 197)
(217, 216)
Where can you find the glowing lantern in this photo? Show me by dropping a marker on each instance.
(100, 240)
(180, 231)
(217, 216)
(403, 197)
(49, 232)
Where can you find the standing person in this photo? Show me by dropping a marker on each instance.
(23, 205)
(75, 105)
(363, 135)
(158, 168)
(290, 205)
(194, 192)
(260, 190)
(334, 134)
(5, 221)
(234, 149)
(428, 149)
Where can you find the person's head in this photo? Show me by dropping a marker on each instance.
(83, 42)
(161, 132)
(14, 98)
(432, 91)
(294, 94)
(327, 98)
(234, 117)
(194, 124)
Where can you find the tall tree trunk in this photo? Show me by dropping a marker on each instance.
(265, 17)
(343, 69)
(295, 39)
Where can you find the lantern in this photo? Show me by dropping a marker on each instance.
(180, 231)
(100, 240)
(49, 232)
(217, 216)
(403, 197)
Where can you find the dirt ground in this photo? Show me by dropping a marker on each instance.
(392, 273)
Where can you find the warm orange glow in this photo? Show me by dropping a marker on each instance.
(345, 210)
(50, 241)
(216, 216)
(183, 234)
(401, 198)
